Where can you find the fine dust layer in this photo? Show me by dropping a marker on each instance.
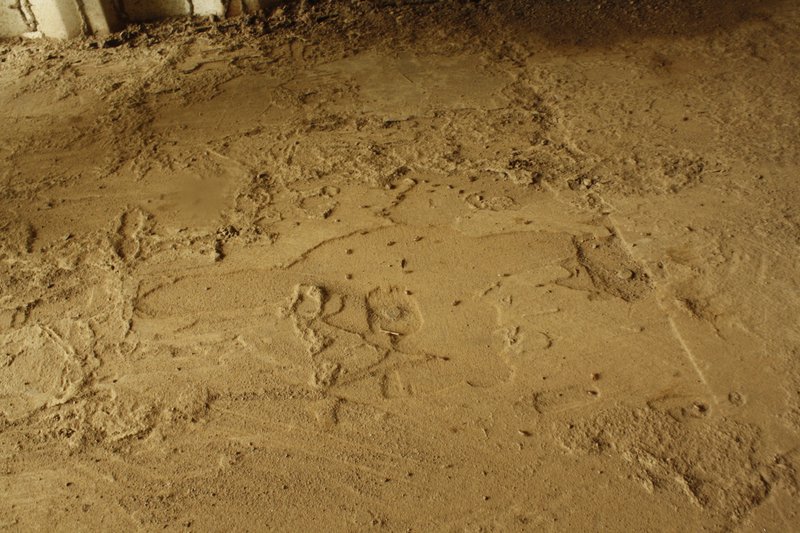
(411, 266)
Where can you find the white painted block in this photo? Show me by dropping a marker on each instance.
(12, 23)
(60, 19)
(209, 7)
(69, 18)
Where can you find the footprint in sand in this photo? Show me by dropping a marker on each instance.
(304, 307)
(393, 312)
(564, 399)
(134, 227)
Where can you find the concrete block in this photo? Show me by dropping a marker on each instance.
(69, 18)
(254, 6)
(60, 19)
(12, 22)
(209, 7)
(233, 8)
(102, 16)
(145, 10)
(240, 7)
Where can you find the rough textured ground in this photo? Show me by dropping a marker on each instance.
(482, 266)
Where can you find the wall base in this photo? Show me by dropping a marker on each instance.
(64, 19)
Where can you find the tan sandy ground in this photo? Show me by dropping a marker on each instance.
(480, 266)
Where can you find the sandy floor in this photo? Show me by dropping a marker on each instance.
(480, 266)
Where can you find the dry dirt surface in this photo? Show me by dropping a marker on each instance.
(405, 266)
